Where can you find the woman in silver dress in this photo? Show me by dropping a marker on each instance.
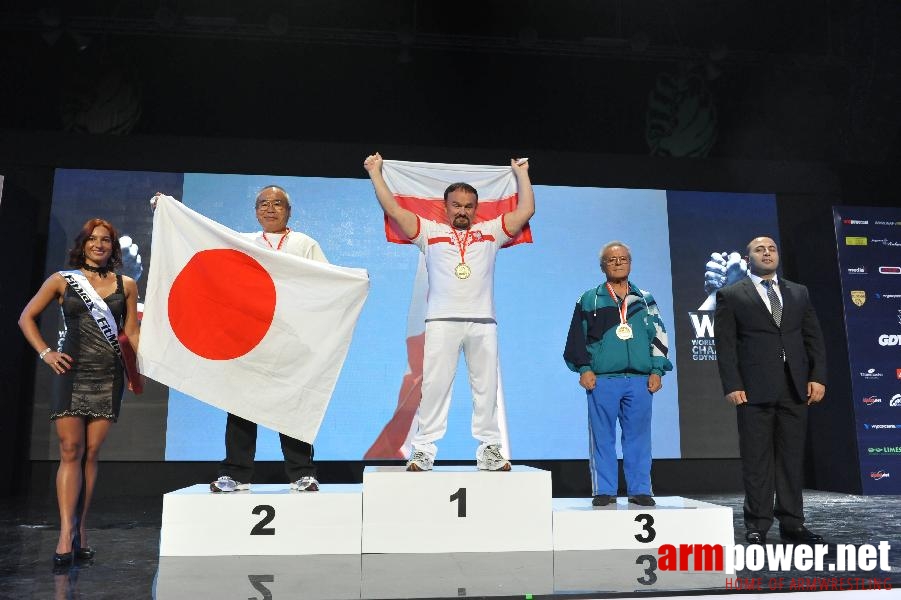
(91, 381)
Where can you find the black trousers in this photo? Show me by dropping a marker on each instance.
(771, 442)
(241, 447)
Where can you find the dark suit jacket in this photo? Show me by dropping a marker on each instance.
(749, 344)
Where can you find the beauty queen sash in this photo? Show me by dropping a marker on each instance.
(105, 320)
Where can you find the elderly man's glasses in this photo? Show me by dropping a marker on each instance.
(276, 204)
(617, 260)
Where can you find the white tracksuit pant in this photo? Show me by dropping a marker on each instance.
(443, 342)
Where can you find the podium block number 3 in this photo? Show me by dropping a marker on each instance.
(260, 528)
(648, 532)
(460, 497)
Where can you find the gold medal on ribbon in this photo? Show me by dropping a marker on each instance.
(624, 331)
(462, 270)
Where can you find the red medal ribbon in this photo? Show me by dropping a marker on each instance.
(461, 244)
(280, 242)
(622, 307)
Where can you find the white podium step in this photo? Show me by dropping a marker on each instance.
(267, 520)
(456, 509)
(675, 520)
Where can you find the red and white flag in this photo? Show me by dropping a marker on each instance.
(257, 333)
(419, 187)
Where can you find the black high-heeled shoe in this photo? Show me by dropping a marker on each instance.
(84, 553)
(67, 558)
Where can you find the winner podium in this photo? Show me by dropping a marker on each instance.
(452, 531)
(446, 510)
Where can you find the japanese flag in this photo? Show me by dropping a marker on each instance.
(258, 333)
(419, 187)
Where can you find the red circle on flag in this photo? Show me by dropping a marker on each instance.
(221, 304)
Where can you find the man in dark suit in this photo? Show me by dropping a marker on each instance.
(772, 362)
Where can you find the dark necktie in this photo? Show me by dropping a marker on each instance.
(775, 305)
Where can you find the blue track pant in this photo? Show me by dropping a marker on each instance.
(626, 399)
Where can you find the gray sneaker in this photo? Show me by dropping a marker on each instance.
(491, 459)
(227, 484)
(307, 483)
(420, 461)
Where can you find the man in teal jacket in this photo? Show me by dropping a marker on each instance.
(617, 344)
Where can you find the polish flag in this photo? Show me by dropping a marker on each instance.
(419, 187)
(257, 333)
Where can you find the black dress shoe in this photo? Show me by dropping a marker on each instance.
(642, 500)
(602, 500)
(84, 553)
(799, 535)
(753, 536)
(62, 560)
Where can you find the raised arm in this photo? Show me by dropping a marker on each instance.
(517, 218)
(407, 220)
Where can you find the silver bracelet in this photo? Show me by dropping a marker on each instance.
(47, 351)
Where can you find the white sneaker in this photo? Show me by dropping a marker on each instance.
(491, 459)
(420, 461)
(227, 484)
(307, 483)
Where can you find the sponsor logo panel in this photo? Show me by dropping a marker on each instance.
(889, 339)
(884, 450)
(879, 474)
(872, 374)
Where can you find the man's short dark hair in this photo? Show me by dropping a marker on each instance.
(461, 186)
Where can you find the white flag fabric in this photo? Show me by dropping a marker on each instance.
(258, 333)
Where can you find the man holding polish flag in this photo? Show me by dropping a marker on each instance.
(458, 248)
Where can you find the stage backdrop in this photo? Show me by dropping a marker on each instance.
(869, 254)
(673, 236)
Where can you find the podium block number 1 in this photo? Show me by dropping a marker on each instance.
(260, 528)
(460, 496)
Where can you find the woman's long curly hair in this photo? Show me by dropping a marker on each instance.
(76, 254)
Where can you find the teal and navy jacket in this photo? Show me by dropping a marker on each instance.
(592, 344)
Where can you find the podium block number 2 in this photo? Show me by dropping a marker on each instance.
(460, 497)
(260, 528)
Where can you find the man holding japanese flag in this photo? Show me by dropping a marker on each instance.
(459, 259)
(256, 324)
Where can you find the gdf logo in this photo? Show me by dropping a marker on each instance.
(890, 340)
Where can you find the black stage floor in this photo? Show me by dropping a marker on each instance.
(125, 531)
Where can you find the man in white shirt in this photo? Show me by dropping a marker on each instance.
(459, 258)
(273, 209)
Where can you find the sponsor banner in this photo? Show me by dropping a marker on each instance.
(869, 256)
(703, 259)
